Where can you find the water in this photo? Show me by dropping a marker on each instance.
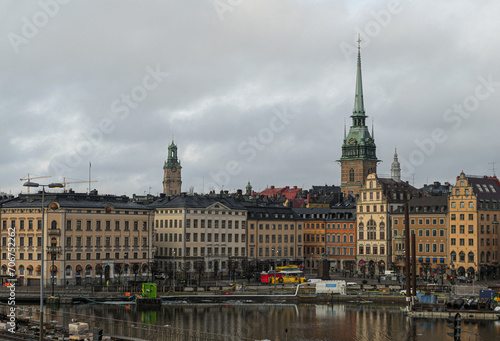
(249, 321)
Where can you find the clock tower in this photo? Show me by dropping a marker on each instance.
(172, 172)
(358, 149)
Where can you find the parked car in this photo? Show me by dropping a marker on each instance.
(463, 279)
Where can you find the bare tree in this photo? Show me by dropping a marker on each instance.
(118, 270)
(199, 267)
(232, 265)
(135, 270)
(99, 271)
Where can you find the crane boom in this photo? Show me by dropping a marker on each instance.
(29, 178)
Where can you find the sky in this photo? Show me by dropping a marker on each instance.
(249, 90)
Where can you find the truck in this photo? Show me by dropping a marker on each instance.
(331, 287)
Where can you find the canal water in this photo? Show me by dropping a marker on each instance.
(250, 321)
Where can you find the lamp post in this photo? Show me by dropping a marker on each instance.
(274, 256)
(311, 264)
(153, 263)
(52, 185)
(173, 274)
(54, 251)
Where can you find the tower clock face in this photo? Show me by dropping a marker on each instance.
(174, 169)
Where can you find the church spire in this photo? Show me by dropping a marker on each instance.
(359, 107)
(396, 167)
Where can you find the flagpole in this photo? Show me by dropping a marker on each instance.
(90, 168)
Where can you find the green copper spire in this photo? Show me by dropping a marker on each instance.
(359, 107)
(359, 144)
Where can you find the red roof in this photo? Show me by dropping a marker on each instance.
(288, 192)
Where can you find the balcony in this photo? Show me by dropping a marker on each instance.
(54, 232)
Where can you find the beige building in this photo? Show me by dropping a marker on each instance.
(88, 238)
(377, 199)
(195, 229)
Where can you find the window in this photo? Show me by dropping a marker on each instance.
(351, 175)
(453, 241)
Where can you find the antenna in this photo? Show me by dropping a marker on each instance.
(493, 166)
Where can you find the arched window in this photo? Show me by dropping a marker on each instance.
(351, 238)
(351, 175)
(488, 254)
(68, 270)
(53, 225)
(453, 256)
(461, 256)
(371, 227)
(471, 257)
(482, 256)
(345, 238)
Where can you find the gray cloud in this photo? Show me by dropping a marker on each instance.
(225, 80)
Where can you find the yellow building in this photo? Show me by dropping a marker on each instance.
(474, 208)
(89, 238)
(274, 237)
(428, 222)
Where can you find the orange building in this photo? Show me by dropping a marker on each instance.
(474, 208)
(428, 216)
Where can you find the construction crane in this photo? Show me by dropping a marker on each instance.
(75, 182)
(29, 178)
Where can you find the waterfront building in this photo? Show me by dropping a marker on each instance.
(474, 209)
(198, 234)
(358, 148)
(341, 237)
(89, 238)
(428, 220)
(172, 179)
(377, 199)
(314, 234)
(275, 237)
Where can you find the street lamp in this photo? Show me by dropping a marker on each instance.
(52, 185)
(311, 264)
(173, 274)
(274, 255)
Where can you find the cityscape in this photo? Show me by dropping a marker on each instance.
(358, 227)
(247, 170)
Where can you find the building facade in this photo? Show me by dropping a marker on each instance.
(428, 220)
(341, 238)
(199, 235)
(88, 238)
(275, 237)
(474, 208)
(378, 198)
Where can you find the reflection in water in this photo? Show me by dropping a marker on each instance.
(344, 322)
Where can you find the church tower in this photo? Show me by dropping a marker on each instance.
(396, 168)
(358, 149)
(172, 172)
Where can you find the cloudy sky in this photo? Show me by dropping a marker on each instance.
(249, 89)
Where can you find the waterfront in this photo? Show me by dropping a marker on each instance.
(249, 321)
